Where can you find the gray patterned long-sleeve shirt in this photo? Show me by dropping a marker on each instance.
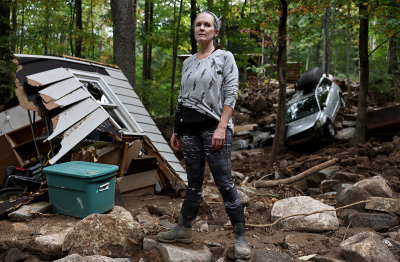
(209, 84)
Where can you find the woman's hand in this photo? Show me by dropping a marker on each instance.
(175, 143)
(218, 139)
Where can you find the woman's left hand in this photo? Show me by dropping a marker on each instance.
(218, 138)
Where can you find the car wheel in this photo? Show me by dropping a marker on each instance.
(329, 130)
(342, 101)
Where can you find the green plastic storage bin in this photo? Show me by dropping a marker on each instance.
(80, 189)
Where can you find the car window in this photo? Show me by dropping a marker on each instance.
(323, 90)
(303, 108)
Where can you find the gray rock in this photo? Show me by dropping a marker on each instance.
(325, 259)
(166, 223)
(345, 134)
(283, 164)
(393, 246)
(204, 227)
(264, 255)
(115, 234)
(239, 144)
(318, 222)
(123, 259)
(14, 255)
(145, 219)
(149, 244)
(261, 138)
(396, 139)
(163, 209)
(243, 133)
(238, 175)
(237, 156)
(179, 254)
(243, 198)
(259, 206)
(313, 191)
(327, 185)
(78, 258)
(350, 177)
(384, 204)
(376, 221)
(349, 123)
(248, 190)
(376, 186)
(49, 246)
(366, 247)
(350, 195)
(243, 128)
(329, 172)
(222, 259)
(211, 243)
(260, 105)
(266, 121)
(244, 110)
(394, 235)
(28, 211)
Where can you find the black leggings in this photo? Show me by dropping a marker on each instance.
(196, 147)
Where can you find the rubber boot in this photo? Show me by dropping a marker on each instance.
(242, 248)
(182, 232)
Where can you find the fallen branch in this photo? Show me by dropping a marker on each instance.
(296, 178)
(302, 162)
(306, 214)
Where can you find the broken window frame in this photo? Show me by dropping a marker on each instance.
(116, 104)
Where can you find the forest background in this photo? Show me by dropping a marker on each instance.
(318, 33)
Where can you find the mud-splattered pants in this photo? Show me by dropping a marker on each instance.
(196, 148)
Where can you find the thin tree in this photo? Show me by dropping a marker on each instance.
(146, 34)
(21, 46)
(124, 35)
(15, 25)
(350, 96)
(394, 66)
(174, 56)
(150, 50)
(359, 134)
(192, 18)
(280, 122)
(325, 57)
(78, 42)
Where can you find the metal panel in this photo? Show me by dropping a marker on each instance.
(79, 131)
(13, 119)
(72, 115)
(123, 91)
(48, 77)
(116, 74)
(162, 147)
(117, 82)
(61, 89)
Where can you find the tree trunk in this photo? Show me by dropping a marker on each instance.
(308, 57)
(78, 42)
(150, 50)
(192, 18)
(71, 28)
(350, 96)
(21, 46)
(124, 35)
(15, 26)
(146, 34)
(282, 88)
(243, 8)
(174, 56)
(46, 39)
(92, 22)
(325, 66)
(334, 66)
(393, 66)
(210, 5)
(359, 134)
(223, 24)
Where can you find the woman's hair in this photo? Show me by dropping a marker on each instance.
(217, 26)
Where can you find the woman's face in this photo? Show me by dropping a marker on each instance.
(204, 30)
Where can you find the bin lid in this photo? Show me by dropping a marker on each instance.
(81, 169)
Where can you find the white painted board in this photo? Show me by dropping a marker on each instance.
(150, 128)
(137, 110)
(69, 117)
(14, 118)
(73, 97)
(50, 76)
(61, 89)
(156, 138)
(116, 74)
(162, 147)
(117, 82)
(79, 131)
(123, 91)
(143, 119)
(177, 167)
(130, 100)
(169, 157)
(183, 176)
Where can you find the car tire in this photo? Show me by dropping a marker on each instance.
(342, 101)
(329, 130)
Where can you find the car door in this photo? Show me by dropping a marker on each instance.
(326, 97)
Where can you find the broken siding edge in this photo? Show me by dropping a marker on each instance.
(23, 99)
(52, 58)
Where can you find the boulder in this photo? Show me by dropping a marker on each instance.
(264, 255)
(145, 219)
(350, 177)
(248, 127)
(327, 185)
(345, 134)
(26, 212)
(366, 247)
(115, 234)
(166, 224)
(49, 246)
(318, 222)
(149, 244)
(164, 209)
(177, 254)
(78, 258)
(14, 255)
(328, 173)
(266, 121)
(384, 204)
(376, 186)
(352, 194)
(243, 198)
(376, 221)
(260, 105)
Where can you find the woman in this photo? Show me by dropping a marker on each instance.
(208, 93)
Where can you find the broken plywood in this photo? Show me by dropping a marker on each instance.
(60, 89)
(79, 131)
(136, 181)
(24, 102)
(72, 115)
(111, 130)
(48, 77)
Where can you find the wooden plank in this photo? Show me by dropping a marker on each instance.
(162, 147)
(123, 160)
(139, 180)
(150, 128)
(60, 89)
(129, 100)
(71, 98)
(116, 74)
(8, 157)
(133, 152)
(79, 131)
(48, 77)
(117, 82)
(72, 115)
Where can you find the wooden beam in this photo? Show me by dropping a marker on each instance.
(123, 160)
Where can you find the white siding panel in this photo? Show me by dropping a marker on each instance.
(61, 89)
(143, 119)
(130, 100)
(183, 176)
(170, 157)
(162, 147)
(156, 138)
(117, 82)
(137, 110)
(18, 117)
(50, 76)
(116, 74)
(123, 91)
(150, 128)
(177, 167)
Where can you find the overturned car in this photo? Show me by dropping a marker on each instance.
(312, 109)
